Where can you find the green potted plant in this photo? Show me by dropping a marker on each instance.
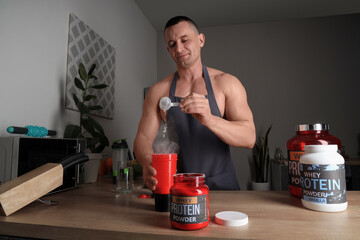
(88, 128)
(262, 163)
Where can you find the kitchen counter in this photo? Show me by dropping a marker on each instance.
(94, 211)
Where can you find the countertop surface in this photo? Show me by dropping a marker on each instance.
(95, 211)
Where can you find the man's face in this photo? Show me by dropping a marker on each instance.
(184, 43)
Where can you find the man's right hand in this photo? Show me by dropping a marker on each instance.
(148, 176)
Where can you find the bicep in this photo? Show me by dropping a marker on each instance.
(150, 121)
(236, 104)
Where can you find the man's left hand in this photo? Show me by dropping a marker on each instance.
(198, 106)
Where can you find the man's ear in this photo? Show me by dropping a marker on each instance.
(202, 39)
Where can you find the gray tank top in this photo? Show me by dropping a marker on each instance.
(201, 151)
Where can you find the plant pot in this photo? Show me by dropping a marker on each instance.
(91, 167)
(256, 186)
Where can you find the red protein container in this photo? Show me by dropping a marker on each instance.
(189, 202)
(165, 166)
(306, 134)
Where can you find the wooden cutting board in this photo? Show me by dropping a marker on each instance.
(25, 189)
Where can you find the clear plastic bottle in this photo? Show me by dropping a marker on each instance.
(322, 179)
(122, 167)
(306, 134)
(189, 202)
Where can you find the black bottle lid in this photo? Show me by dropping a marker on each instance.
(162, 202)
(121, 143)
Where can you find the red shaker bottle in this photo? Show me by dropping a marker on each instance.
(306, 134)
(165, 166)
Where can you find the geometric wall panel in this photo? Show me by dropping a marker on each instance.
(87, 47)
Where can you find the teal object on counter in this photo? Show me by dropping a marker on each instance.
(35, 131)
(10, 129)
(31, 131)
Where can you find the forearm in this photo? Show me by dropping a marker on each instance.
(233, 133)
(143, 150)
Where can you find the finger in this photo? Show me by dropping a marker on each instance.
(149, 170)
(150, 186)
(192, 97)
(194, 94)
(151, 183)
(196, 107)
(152, 170)
(194, 102)
(148, 175)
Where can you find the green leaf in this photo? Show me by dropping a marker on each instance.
(72, 131)
(92, 68)
(95, 107)
(99, 148)
(88, 126)
(82, 72)
(78, 84)
(91, 142)
(104, 140)
(266, 136)
(89, 97)
(262, 158)
(83, 108)
(99, 86)
(76, 100)
(96, 125)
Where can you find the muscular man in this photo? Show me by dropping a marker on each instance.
(213, 112)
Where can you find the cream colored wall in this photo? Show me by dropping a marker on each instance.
(33, 51)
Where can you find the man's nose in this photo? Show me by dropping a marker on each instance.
(179, 47)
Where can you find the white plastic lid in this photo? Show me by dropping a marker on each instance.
(320, 148)
(231, 218)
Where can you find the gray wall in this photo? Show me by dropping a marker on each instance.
(33, 47)
(297, 71)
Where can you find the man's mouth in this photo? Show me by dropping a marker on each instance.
(182, 55)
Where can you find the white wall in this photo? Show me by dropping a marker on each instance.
(33, 51)
(298, 71)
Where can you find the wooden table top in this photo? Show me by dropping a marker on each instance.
(94, 211)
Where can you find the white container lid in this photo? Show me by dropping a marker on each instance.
(231, 218)
(317, 148)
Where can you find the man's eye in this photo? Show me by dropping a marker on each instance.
(184, 40)
(172, 45)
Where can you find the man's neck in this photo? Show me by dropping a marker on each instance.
(190, 73)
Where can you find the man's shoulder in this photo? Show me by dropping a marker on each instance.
(162, 87)
(221, 77)
(164, 83)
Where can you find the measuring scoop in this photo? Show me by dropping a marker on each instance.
(165, 103)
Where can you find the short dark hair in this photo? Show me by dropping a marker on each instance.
(175, 20)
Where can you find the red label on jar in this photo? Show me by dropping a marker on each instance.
(294, 168)
(189, 209)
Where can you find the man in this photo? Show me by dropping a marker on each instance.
(213, 112)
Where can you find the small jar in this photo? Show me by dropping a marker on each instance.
(306, 134)
(322, 178)
(189, 202)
